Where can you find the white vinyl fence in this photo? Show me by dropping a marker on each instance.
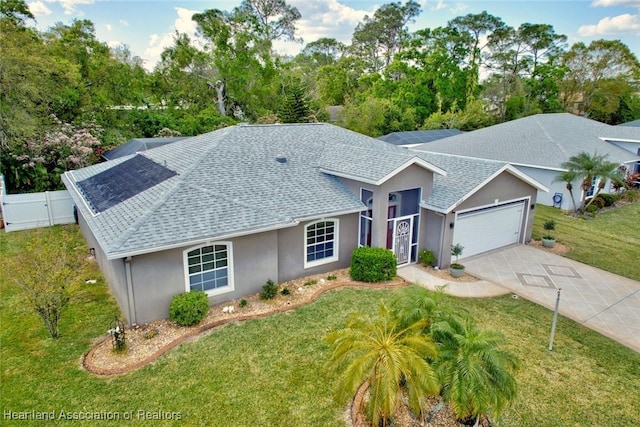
(34, 210)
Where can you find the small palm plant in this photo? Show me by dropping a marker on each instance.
(390, 357)
(476, 373)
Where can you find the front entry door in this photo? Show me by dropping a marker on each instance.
(402, 228)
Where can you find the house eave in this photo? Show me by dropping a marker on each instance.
(293, 223)
(135, 252)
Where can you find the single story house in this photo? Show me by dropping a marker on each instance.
(137, 145)
(225, 211)
(538, 146)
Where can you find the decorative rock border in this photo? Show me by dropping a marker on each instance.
(87, 360)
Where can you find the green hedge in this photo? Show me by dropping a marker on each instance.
(373, 265)
(189, 308)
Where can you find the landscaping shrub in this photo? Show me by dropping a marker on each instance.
(599, 202)
(285, 292)
(243, 303)
(189, 308)
(373, 264)
(269, 290)
(608, 199)
(427, 257)
(310, 282)
(331, 277)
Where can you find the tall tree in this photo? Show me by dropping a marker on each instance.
(476, 26)
(594, 66)
(378, 39)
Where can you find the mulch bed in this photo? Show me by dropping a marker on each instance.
(102, 360)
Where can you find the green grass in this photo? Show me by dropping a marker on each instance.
(270, 372)
(611, 241)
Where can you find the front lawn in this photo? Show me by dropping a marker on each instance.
(610, 241)
(270, 372)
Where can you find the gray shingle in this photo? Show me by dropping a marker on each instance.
(543, 140)
(463, 176)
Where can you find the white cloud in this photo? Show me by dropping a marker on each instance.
(439, 6)
(609, 3)
(69, 6)
(458, 8)
(38, 8)
(621, 24)
(108, 27)
(124, 23)
(158, 43)
(114, 43)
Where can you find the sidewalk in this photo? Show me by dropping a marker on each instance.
(477, 289)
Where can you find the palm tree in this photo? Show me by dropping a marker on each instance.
(568, 177)
(417, 303)
(475, 373)
(391, 358)
(591, 167)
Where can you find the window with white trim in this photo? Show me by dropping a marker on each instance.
(321, 242)
(208, 268)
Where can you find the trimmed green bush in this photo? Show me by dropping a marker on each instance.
(373, 264)
(269, 290)
(189, 308)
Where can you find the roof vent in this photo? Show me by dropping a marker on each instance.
(281, 158)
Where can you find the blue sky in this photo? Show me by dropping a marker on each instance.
(147, 26)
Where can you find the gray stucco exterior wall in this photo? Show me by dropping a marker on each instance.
(158, 276)
(503, 188)
(291, 243)
(113, 270)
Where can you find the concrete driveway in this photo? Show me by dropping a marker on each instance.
(605, 302)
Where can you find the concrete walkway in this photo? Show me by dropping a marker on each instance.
(478, 289)
(602, 301)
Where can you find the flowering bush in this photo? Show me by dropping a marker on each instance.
(37, 164)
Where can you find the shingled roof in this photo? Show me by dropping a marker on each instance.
(542, 140)
(465, 176)
(238, 180)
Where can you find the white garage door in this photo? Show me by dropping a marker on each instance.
(490, 228)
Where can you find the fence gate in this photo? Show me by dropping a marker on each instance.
(34, 210)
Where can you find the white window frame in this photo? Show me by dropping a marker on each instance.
(336, 245)
(230, 282)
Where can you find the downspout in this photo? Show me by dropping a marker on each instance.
(444, 222)
(130, 297)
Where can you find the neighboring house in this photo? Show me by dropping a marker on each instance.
(138, 145)
(539, 145)
(412, 138)
(634, 123)
(227, 210)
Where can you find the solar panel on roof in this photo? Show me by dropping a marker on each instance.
(123, 181)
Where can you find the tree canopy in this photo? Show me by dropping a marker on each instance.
(474, 71)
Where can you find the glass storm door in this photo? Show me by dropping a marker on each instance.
(402, 239)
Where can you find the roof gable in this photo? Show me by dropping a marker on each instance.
(465, 176)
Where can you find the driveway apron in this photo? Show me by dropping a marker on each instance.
(602, 301)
